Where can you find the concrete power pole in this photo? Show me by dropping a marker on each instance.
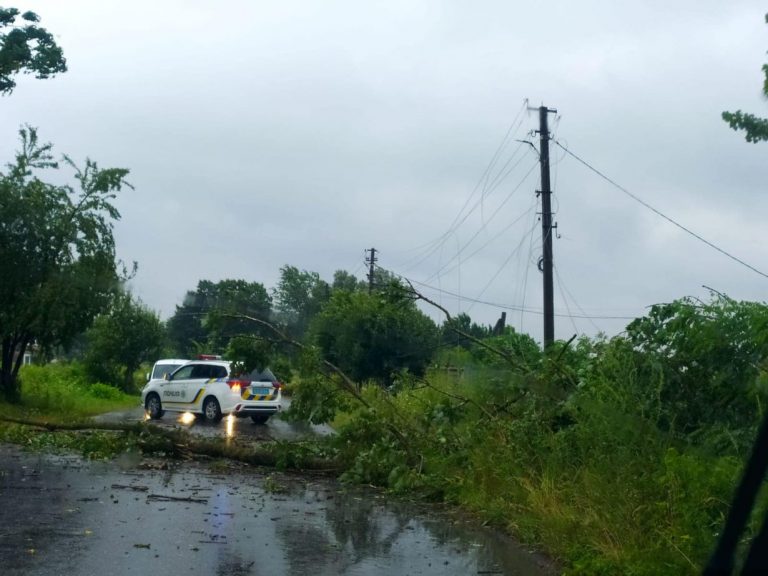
(371, 261)
(545, 264)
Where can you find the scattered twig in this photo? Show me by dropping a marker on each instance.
(126, 487)
(165, 498)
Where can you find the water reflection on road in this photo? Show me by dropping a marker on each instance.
(66, 516)
(241, 429)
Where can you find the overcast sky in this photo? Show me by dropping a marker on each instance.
(260, 134)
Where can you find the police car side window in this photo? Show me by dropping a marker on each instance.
(183, 373)
(200, 371)
(218, 372)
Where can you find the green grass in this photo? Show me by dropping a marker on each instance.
(606, 493)
(61, 393)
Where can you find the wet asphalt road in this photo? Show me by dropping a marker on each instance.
(63, 515)
(240, 429)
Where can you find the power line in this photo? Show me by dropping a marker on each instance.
(658, 213)
(504, 264)
(527, 269)
(483, 227)
(461, 219)
(564, 288)
(506, 306)
(432, 246)
(565, 300)
(491, 240)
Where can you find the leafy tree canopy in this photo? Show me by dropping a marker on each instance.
(204, 321)
(57, 253)
(462, 323)
(754, 127)
(705, 359)
(343, 280)
(373, 336)
(27, 49)
(299, 296)
(121, 339)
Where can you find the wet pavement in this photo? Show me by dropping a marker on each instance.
(63, 515)
(241, 429)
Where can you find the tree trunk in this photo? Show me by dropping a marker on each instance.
(128, 378)
(9, 384)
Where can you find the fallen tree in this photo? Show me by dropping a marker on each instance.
(180, 444)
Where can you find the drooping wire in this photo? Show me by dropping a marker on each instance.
(483, 227)
(661, 214)
(505, 306)
(452, 230)
(527, 270)
(493, 238)
(430, 246)
(503, 265)
(562, 285)
(565, 301)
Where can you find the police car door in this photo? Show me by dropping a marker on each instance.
(192, 389)
(173, 395)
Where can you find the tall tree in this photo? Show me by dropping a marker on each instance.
(299, 296)
(121, 339)
(343, 280)
(57, 253)
(462, 323)
(372, 336)
(755, 128)
(26, 49)
(203, 320)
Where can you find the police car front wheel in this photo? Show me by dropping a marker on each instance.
(154, 407)
(211, 410)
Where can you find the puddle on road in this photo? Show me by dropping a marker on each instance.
(81, 517)
(241, 429)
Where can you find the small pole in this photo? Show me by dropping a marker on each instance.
(371, 261)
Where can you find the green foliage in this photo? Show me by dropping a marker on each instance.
(121, 339)
(299, 296)
(249, 353)
(63, 391)
(57, 253)
(755, 128)
(26, 49)
(617, 456)
(93, 445)
(452, 331)
(520, 347)
(317, 398)
(702, 361)
(343, 280)
(211, 315)
(373, 336)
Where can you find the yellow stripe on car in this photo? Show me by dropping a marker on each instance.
(248, 396)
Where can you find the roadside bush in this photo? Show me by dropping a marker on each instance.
(64, 391)
(618, 456)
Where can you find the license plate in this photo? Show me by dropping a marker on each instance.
(260, 391)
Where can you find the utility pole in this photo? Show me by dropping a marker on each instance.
(545, 264)
(371, 261)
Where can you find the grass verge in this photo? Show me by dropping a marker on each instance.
(62, 393)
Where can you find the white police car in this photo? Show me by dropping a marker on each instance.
(207, 387)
